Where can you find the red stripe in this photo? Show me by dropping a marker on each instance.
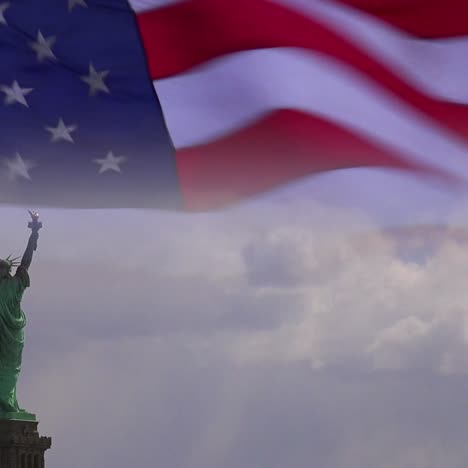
(282, 147)
(181, 36)
(423, 18)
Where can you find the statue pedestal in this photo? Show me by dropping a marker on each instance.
(21, 446)
(23, 416)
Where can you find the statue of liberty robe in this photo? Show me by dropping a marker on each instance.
(12, 323)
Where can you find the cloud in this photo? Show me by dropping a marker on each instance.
(175, 401)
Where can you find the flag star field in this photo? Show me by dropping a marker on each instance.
(81, 124)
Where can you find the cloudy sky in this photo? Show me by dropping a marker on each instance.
(294, 331)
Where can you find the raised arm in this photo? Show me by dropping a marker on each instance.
(30, 248)
(35, 225)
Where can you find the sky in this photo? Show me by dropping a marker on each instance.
(303, 329)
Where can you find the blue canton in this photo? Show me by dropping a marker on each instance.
(81, 125)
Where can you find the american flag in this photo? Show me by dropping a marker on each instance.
(198, 104)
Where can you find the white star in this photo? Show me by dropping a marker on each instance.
(18, 167)
(3, 7)
(95, 80)
(73, 3)
(43, 47)
(62, 131)
(15, 93)
(110, 162)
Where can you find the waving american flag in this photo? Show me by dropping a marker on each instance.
(201, 103)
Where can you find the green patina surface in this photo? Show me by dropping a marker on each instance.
(12, 323)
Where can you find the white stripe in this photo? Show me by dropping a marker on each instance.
(389, 197)
(235, 91)
(437, 67)
(143, 5)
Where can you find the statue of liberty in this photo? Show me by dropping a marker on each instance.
(12, 323)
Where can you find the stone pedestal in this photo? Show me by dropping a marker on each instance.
(21, 446)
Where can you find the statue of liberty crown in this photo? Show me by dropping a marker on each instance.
(10, 262)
